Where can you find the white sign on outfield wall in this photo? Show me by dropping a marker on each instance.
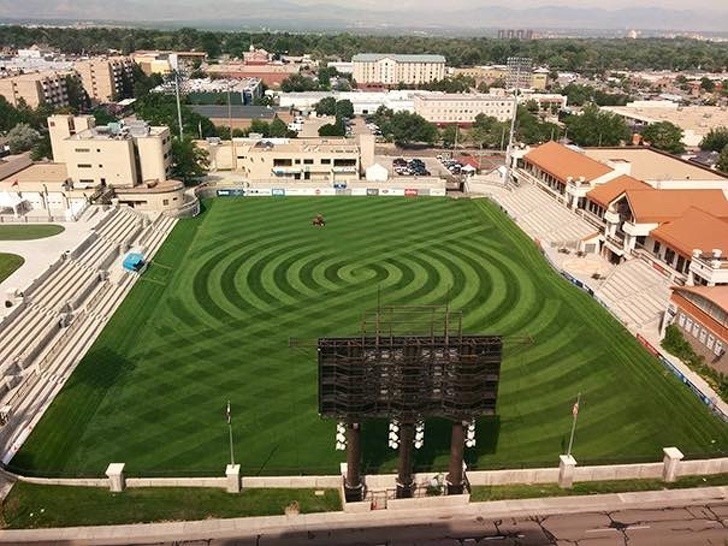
(358, 191)
(300, 191)
(437, 192)
(396, 192)
(258, 192)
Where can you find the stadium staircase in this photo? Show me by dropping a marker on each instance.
(637, 293)
(57, 321)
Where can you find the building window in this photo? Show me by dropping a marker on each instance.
(696, 329)
(718, 349)
(82, 150)
(688, 324)
(325, 162)
(711, 342)
(308, 161)
(656, 248)
(703, 335)
(84, 165)
(681, 320)
(165, 202)
(669, 255)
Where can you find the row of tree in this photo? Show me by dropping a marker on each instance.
(584, 55)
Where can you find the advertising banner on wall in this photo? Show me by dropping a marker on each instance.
(411, 192)
(258, 192)
(325, 191)
(437, 192)
(300, 191)
(278, 192)
(234, 192)
(373, 191)
(358, 191)
(396, 192)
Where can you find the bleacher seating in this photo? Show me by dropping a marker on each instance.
(636, 292)
(542, 217)
(80, 292)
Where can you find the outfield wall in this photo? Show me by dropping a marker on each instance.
(381, 482)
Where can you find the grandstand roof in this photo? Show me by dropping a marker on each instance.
(604, 194)
(714, 294)
(657, 206)
(562, 162)
(694, 229)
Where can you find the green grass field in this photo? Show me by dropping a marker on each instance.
(9, 263)
(26, 232)
(212, 318)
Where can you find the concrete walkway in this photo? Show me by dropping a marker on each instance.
(39, 254)
(278, 525)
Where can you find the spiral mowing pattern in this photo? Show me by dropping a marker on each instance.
(251, 274)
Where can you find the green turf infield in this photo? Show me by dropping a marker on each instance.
(9, 263)
(25, 232)
(212, 318)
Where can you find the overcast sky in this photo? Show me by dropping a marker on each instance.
(721, 5)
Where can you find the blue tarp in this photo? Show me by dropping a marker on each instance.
(133, 262)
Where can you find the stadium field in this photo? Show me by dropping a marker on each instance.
(212, 318)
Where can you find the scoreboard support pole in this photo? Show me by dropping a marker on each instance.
(353, 488)
(455, 480)
(405, 480)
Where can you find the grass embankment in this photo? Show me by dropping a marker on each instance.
(31, 506)
(27, 232)
(504, 492)
(9, 263)
(212, 318)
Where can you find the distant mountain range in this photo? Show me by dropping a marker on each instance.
(288, 15)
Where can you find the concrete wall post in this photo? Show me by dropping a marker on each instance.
(232, 473)
(117, 480)
(671, 462)
(567, 464)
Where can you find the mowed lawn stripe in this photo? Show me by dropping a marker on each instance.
(250, 274)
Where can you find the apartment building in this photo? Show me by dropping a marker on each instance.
(386, 70)
(48, 87)
(117, 154)
(677, 223)
(103, 77)
(289, 160)
(462, 109)
(164, 62)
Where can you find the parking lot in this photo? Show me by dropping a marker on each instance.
(431, 164)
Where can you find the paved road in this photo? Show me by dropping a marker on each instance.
(677, 526)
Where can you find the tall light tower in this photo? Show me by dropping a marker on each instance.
(519, 68)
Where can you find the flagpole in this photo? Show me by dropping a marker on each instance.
(575, 413)
(230, 430)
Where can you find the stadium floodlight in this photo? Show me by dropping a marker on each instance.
(340, 436)
(393, 438)
(419, 439)
(470, 435)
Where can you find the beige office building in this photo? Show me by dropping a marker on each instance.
(103, 77)
(379, 69)
(288, 160)
(37, 88)
(462, 108)
(117, 154)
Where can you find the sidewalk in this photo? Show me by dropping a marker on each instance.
(276, 525)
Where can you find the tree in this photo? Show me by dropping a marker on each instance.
(332, 129)
(42, 149)
(161, 109)
(297, 83)
(344, 109)
(715, 140)
(326, 107)
(277, 128)
(189, 162)
(448, 135)
(78, 99)
(706, 84)
(722, 164)
(405, 128)
(487, 132)
(665, 136)
(596, 128)
(21, 138)
(103, 116)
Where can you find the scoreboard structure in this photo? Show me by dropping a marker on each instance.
(408, 378)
